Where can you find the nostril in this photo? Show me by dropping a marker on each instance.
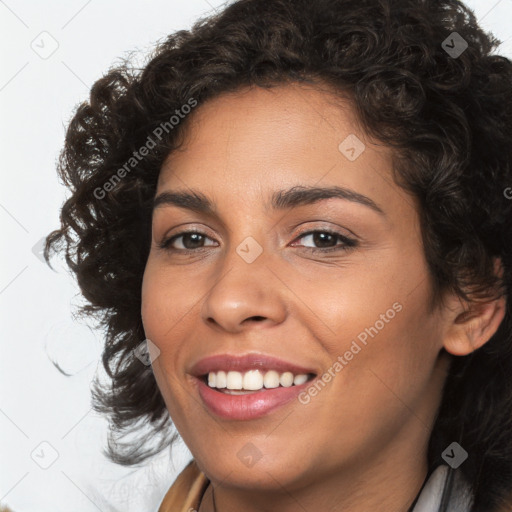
(257, 318)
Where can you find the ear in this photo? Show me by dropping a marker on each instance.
(472, 324)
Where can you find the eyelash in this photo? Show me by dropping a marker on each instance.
(348, 243)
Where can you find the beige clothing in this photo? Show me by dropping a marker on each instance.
(186, 492)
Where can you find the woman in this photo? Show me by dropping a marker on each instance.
(297, 214)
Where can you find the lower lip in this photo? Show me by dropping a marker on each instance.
(250, 406)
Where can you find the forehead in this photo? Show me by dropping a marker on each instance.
(250, 142)
(247, 120)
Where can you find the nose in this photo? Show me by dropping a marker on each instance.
(245, 295)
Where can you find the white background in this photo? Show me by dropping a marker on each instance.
(37, 403)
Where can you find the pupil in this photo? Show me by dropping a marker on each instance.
(196, 240)
(320, 238)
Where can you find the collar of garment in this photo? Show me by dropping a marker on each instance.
(444, 491)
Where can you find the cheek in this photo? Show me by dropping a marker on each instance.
(158, 312)
(381, 384)
(390, 374)
(158, 317)
(164, 302)
(375, 317)
(362, 299)
(169, 313)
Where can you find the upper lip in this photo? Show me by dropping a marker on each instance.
(245, 362)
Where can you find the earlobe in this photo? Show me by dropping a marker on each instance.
(472, 328)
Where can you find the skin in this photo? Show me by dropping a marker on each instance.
(360, 444)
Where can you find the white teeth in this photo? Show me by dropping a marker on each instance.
(271, 379)
(221, 380)
(234, 380)
(254, 380)
(286, 379)
(297, 381)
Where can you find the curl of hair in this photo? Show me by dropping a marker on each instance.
(448, 119)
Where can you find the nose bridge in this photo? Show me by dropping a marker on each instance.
(244, 289)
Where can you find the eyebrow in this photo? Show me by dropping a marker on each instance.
(280, 200)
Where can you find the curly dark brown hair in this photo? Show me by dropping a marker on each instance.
(448, 118)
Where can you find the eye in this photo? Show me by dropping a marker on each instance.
(327, 241)
(185, 241)
(324, 240)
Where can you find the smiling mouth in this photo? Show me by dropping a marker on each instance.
(253, 381)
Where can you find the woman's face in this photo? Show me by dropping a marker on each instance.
(347, 303)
